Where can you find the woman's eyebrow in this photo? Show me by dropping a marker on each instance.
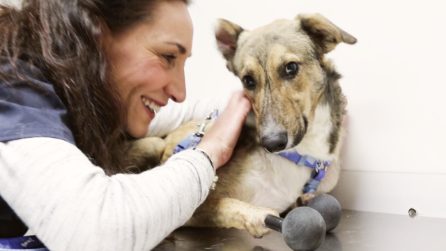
(180, 47)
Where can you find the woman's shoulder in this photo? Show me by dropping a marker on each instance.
(21, 68)
(29, 105)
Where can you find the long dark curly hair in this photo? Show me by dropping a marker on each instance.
(62, 38)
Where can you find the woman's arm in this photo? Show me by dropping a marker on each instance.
(72, 205)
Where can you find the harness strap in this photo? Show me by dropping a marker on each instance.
(319, 168)
(189, 142)
(193, 139)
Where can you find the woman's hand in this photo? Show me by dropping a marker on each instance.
(220, 140)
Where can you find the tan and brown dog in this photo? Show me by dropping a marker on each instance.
(297, 104)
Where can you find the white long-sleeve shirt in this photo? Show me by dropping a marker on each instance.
(70, 204)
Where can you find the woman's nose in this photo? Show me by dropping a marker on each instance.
(177, 88)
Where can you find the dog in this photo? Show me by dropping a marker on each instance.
(298, 106)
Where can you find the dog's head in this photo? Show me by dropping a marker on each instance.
(280, 66)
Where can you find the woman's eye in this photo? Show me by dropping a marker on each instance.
(290, 70)
(249, 82)
(170, 58)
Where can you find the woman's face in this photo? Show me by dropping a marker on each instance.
(147, 63)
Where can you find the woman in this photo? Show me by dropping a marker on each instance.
(78, 79)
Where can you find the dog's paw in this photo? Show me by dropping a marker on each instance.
(234, 213)
(305, 198)
(255, 221)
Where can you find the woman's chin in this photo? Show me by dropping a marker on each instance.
(138, 132)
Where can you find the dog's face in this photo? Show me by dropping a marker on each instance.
(280, 67)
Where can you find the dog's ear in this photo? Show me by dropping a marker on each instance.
(324, 33)
(227, 34)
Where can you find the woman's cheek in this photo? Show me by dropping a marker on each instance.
(155, 74)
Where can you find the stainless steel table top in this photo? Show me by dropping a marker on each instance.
(358, 231)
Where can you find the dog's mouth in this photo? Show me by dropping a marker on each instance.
(298, 138)
(301, 133)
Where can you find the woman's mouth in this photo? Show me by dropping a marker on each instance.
(150, 105)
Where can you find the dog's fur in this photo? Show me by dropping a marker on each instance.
(297, 103)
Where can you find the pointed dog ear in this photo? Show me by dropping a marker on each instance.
(324, 33)
(227, 34)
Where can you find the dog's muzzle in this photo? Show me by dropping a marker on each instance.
(275, 142)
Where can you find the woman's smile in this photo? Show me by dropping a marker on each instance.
(150, 106)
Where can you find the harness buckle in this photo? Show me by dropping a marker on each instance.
(203, 125)
(321, 165)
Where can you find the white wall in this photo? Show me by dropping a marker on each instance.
(393, 79)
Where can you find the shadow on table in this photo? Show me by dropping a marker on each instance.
(214, 239)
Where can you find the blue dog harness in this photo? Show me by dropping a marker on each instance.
(319, 166)
(192, 140)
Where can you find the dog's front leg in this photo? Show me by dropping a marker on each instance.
(241, 215)
(145, 153)
(327, 184)
(331, 178)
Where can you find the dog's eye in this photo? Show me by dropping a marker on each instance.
(290, 70)
(249, 82)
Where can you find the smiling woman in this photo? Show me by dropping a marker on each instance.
(79, 80)
(88, 48)
(147, 63)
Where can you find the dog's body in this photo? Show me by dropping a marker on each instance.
(298, 104)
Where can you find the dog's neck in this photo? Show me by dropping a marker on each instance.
(324, 133)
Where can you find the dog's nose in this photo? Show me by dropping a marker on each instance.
(275, 142)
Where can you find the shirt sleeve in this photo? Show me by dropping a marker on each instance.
(175, 114)
(70, 204)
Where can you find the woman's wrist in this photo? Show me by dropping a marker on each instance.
(204, 153)
(208, 150)
(207, 156)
